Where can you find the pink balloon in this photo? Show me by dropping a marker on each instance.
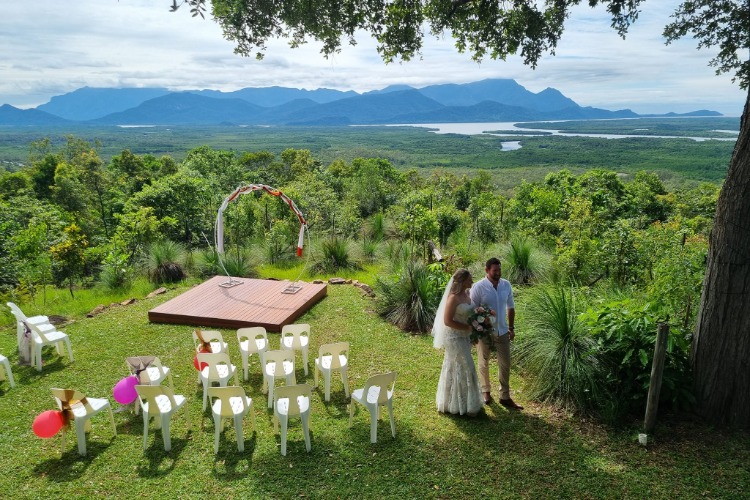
(47, 423)
(124, 391)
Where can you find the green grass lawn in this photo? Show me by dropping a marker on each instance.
(537, 453)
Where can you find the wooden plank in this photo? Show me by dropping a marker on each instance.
(252, 303)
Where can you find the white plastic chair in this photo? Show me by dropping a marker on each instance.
(378, 391)
(296, 338)
(150, 371)
(218, 369)
(252, 340)
(292, 401)
(24, 350)
(42, 338)
(277, 364)
(8, 373)
(230, 402)
(79, 409)
(212, 337)
(333, 357)
(159, 402)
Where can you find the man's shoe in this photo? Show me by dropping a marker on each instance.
(510, 404)
(487, 398)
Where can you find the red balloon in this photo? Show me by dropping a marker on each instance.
(47, 423)
(195, 364)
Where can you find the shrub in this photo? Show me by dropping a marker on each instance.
(560, 358)
(164, 262)
(335, 254)
(524, 261)
(626, 334)
(410, 298)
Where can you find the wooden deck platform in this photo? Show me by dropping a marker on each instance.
(253, 303)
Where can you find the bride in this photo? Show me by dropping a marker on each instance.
(458, 388)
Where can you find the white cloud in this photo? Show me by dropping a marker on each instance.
(48, 48)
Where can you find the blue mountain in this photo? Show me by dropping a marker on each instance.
(11, 116)
(89, 103)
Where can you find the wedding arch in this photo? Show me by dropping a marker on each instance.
(219, 228)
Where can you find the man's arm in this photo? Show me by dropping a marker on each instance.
(511, 323)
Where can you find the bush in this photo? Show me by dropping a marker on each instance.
(335, 254)
(560, 358)
(164, 262)
(626, 334)
(524, 262)
(410, 298)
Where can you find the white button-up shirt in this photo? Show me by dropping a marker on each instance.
(500, 299)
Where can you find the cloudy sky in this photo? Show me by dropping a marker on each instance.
(48, 48)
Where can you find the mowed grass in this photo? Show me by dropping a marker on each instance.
(537, 453)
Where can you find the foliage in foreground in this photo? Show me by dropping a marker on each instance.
(410, 297)
(433, 456)
(558, 356)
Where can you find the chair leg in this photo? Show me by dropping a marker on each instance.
(374, 424)
(38, 357)
(70, 349)
(244, 365)
(81, 436)
(345, 380)
(238, 431)
(270, 393)
(145, 430)
(393, 423)
(11, 381)
(112, 419)
(62, 440)
(284, 427)
(304, 359)
(165, 421)
(315, 373)
(205, 393)
(217, 432)
(327, 380)
(306, 430)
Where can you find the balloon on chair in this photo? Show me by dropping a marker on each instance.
(124, 391)
(47, 424)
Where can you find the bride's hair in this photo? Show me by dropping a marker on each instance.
(458, 279)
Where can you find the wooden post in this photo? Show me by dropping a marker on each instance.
(652, 403)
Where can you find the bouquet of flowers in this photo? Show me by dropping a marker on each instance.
(482, 321)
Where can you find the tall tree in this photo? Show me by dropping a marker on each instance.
(486, 28)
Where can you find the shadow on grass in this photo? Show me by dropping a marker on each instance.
(159, 462)
(70, 465)
(231, 464)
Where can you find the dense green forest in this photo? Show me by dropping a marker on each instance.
(677, 161)
(607, 231)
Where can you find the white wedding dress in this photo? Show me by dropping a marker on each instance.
(458, 388)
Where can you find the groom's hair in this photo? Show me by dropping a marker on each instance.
(491, 262)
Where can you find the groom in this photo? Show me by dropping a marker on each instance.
(496, 293)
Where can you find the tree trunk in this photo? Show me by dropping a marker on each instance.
(721, 344)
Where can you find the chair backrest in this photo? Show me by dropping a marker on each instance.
(149, 393)
(297, 331)
(384, 382)
(20, 316)
(251, 334)
(335, 351)
(67, 398)
(213, 360)
(278, 357)
(224, 393)
(207, 336)
(136, 363)
(292, 392)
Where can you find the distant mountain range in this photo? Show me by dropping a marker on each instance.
(493, 100)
